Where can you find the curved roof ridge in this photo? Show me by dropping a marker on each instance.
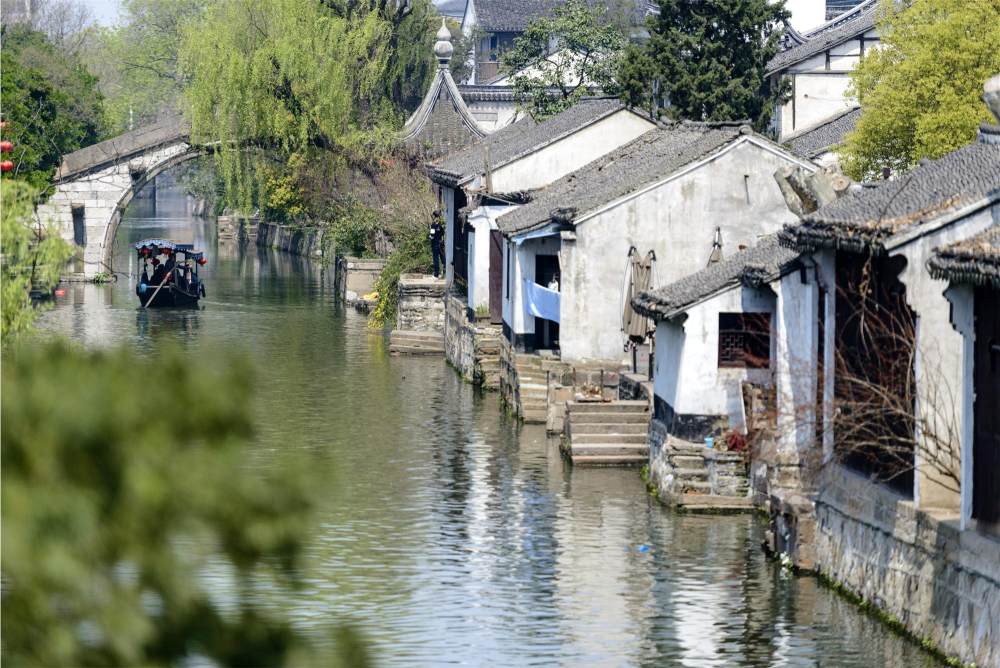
(418, 120)
(861, 19)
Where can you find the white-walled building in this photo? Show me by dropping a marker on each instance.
(499, 170)
(687, 192)
(894, 346)
(818, 67)
(972, 269)
(820, 142)
(716, 329)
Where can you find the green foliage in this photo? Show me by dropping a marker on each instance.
(137, 60)
(286, 76)
(32, 255)
(412, 254)
(705, 61)
(280, 196)
(200, 180)
(119, 499)
(411, 64)
(586, 54)
(352, 228)
(920, 93)
(461, 59)
(50, 102)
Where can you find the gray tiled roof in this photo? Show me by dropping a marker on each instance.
(518, 139)
(515, 15)
(652, 156)
(825, 136)
(442, 122)
(866, 218)
(975, 260)
(754, 266)
(510, 15)
(821, 41)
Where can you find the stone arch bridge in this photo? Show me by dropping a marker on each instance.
(94, 185)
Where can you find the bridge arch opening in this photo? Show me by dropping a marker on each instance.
(137, 184)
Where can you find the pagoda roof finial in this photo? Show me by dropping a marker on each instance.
(443, 47)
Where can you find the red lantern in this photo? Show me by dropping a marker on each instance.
(202, 261)
(6, 166)
(6, 146)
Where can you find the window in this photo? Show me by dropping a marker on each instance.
(745, 340)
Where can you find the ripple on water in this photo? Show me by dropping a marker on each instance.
(451, 535)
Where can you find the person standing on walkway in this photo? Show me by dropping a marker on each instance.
(435, 236)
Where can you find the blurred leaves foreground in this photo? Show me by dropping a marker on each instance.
(124, 478)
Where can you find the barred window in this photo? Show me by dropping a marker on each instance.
(745, 340)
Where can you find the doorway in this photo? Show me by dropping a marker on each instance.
(547, 275)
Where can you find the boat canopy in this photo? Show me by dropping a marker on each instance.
(187, 249)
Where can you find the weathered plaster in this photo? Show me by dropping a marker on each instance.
(733, 190)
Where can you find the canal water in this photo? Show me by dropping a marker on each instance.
(450, 535)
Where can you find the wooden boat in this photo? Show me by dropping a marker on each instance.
(168, 273)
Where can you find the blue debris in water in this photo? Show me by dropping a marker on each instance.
(643, 548)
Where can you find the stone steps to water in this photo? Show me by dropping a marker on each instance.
(608, 407)
(609, 449)
(603, 433)
(637, 427)
(611, 460)
(694, 474)
(610, 418)
(402, 342)
(715, 503)
(609, 438)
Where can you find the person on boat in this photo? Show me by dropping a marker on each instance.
(171, 263)
(159, 272)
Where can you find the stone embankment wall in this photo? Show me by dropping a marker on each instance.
(307, 241)
(941, 583)
(678, 467)
(356, 276)
(472, 347)
(420, 305)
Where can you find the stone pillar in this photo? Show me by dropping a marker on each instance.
(421, 304)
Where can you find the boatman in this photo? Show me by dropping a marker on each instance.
(435, 235)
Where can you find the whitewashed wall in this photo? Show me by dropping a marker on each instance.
(494, 114)
(734, 190)
(796, 326)
(687, 374)
(819, 86)
(482, 219)
(549, 163)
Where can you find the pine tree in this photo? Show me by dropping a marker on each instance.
(706, 60)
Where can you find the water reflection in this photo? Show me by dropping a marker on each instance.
(452, 535)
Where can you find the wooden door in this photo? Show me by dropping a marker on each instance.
(986, 411)
(496, 276)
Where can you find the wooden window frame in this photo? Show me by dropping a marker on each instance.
(752, 333)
